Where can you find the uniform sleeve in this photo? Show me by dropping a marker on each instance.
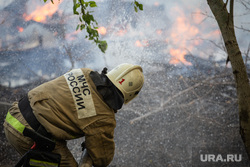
(99, 140)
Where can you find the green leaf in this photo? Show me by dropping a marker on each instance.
(77, 27)
(82, 26)
(92, 4)
(95, 33)
(140, 6)
(103, 46)
(89, 30)
(136, 10)
(86, 4)
(136, 3)
(82, 1)
(91, 17)
(75, 8)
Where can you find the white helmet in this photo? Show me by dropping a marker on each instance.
(128, 79)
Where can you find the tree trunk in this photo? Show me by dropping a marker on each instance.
(226, 25)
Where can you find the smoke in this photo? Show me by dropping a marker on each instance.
(164, 32)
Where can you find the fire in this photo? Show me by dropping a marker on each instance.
(197, 16)
(156, 3)
(138, 43)
(121, 32)
(102, 30)
(142, 43)
(20, 29)
(42, 12)
(72, 36)
(182, 37)
(214, 33)
(178, 56)
(159, 32)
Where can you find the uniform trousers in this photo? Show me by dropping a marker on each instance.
(22, 143)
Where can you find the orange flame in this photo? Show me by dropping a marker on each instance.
(20, 29)
(138, 43)
(121, 32)
(42, 12)
(156, 3)
(143, 43)
(159, 32)
(182, 37)
(178, 56)
(72, 36)
(102, 30)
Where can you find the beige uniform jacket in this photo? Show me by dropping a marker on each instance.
(70, 107)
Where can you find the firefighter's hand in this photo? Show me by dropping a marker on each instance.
(85, 161)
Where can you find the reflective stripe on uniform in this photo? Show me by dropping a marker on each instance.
(15, 123)
(34, 162)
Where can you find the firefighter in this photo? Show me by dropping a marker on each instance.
(80, 103)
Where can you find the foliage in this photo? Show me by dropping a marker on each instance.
(87, 21)
(137, 6)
